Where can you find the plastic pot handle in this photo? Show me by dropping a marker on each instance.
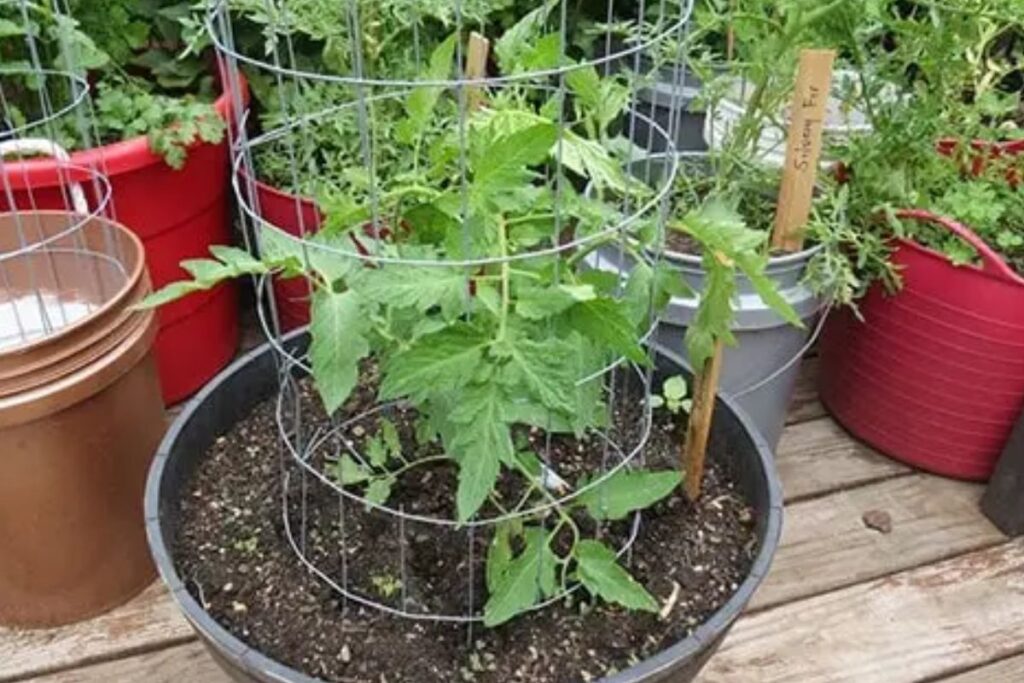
(50, 148)
(991, 262)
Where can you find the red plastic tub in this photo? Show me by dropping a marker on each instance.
(293, 214)
(178, 215)
(934, 375)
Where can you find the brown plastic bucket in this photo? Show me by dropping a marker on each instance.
(80, 417)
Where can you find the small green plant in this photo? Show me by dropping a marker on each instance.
(386, 585)
(673, 397)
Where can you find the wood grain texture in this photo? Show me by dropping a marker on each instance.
(1010, 670)
(803, 147)
(915, 625)
(150, 620)
(177, 664)
(819, 457)
(826, 545)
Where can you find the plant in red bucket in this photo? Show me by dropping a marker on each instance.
(930, 369)
(155, 132)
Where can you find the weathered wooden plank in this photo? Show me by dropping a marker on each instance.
(150, 620)
(819, 457)
(826, 545)
(919, 624)
(805, 405)
(1010, 670)
(177, 664)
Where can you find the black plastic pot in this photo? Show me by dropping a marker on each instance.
(254, 377)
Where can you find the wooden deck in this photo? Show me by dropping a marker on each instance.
(940, 598)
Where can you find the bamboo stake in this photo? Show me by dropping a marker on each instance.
(803, 148)
(476, 67)
(699, 428)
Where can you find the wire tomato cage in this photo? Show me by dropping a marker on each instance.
(366, 162)
(61, 258)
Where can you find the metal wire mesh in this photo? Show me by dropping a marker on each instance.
(49, 193)
(320, 165)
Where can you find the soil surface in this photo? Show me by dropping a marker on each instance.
(232, 551)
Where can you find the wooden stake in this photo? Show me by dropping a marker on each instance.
(476, 67)
(701, 412)
(803, 148)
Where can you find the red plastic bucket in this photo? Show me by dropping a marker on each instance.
(293, 214)
(934, 375)
(178, 214)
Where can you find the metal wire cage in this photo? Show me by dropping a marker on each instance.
(374, 131)
(61, 260)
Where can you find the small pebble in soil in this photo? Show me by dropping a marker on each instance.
(879, 520)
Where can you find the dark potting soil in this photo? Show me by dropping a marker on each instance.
(233, 554)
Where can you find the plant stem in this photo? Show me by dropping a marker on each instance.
(506, 271)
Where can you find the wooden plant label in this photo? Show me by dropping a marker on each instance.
(803, 148)
(476, 67)
(699, 428)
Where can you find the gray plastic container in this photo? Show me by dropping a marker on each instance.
(674, 93)
(760, 372)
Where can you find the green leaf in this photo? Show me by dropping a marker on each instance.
(239, 260)
(347, 471)
(503, 163)
(421, 103)
(544, 370)
(603, 321)
(527, 578)
(435, 363)
(376, 453)
(338, 330)
(753, 266)
(537, 303)
(599, 571)
(423, 288)
(481, 442)
(499, 554)
(206, 271)
(389, 433)
(628, 491)
(714, 316)
(590, 159)
(674, 388)
(379, 490)
(518, 40)
(172, 292)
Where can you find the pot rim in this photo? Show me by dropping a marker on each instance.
(703, 637)
(939, 256)
(131, 284)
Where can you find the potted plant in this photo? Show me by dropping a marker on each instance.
(154, 124)
(938, 354)
(477, 373)
(772, 324)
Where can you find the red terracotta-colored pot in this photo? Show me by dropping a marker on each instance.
(934, 375)
(293, 214)
(178, 214)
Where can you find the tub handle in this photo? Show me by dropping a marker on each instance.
(49, 148)
(992, 263)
